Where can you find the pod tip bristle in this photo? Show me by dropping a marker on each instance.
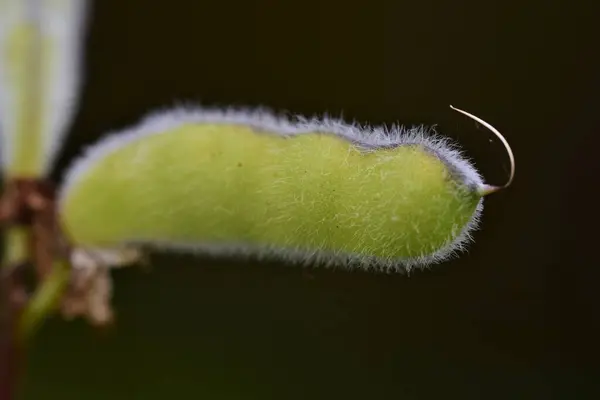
(489, 189)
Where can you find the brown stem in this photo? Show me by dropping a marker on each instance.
(11, 351)
(28, 203)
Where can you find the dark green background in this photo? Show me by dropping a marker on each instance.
(514, 318)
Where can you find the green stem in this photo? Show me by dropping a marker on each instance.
(44, 301)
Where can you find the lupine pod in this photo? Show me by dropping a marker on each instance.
(248, 182)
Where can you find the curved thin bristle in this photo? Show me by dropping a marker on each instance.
(488, 189)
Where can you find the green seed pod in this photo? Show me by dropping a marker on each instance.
(251, 183)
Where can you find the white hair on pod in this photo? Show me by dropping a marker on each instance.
(263, 120)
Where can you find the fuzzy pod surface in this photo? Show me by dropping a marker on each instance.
(254, 183)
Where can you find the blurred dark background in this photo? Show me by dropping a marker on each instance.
(514, 318)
